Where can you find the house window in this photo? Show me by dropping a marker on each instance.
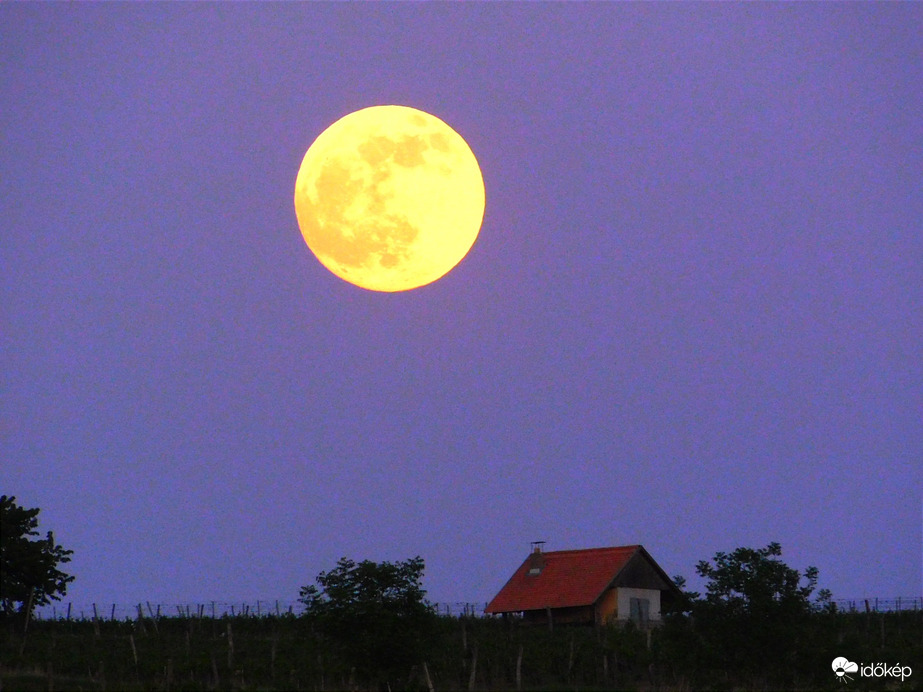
(535, 571)
(639, 610)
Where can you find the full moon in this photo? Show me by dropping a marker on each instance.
(389, 198)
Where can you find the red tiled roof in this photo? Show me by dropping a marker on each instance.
(569, 578)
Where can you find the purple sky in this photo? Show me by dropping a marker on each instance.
(692, 320)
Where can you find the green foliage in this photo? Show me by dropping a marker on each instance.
(755, 616)
(29, 574)
(752, 582)
(375, 616)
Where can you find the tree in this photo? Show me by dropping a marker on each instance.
(374, 614)
(756, 613)
(29, 568)
(753, 582)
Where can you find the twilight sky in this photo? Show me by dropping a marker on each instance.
(693, 318)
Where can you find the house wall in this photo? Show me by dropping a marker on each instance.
(624, 596)
(607, 607)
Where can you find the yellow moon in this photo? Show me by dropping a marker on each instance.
(389, 198)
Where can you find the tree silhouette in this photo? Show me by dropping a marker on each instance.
(375, 616)
(29, 574)
(755, 615)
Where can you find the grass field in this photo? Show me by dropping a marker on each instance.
(284, 653)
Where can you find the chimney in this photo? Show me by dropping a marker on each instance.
(536, 560)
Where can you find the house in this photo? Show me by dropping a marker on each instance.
(594, 586)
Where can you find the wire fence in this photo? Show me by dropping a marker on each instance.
(879, 605)
(210, 609)
(280, 607)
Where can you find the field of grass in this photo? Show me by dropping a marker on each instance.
(285, 653)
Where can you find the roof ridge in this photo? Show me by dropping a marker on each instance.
(591, 550)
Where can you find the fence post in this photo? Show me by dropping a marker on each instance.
(519, 668)
(230, 648)
(429, 681)
(474, 666)
(272, 656)
(153, 619)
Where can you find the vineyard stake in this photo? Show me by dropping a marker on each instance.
(141, 620)
(519, 668)
(429, 682)
(474, 666)
(215, 671)
(230, 647)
